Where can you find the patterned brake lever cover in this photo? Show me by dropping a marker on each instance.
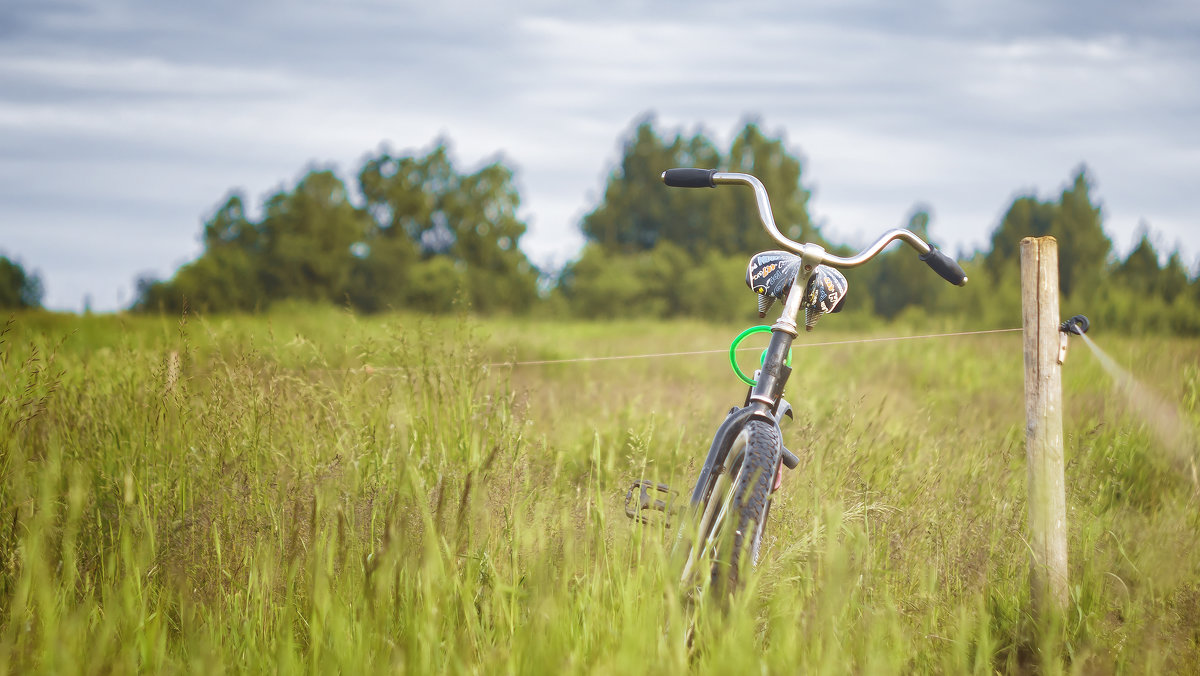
(770, 273)
(824, 294)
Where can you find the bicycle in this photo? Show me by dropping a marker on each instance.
(723, 521)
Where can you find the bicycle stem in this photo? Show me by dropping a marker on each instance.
(775, 372)
(773, 375)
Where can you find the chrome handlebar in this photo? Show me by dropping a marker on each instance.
(768, 221)
(814, 254)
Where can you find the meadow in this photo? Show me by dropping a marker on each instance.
(314, 491)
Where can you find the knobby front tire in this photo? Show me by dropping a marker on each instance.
(723, 536)
(741, 529)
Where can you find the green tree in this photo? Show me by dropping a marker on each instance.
(482, 216)
(1026, 217)
(230, 229)
(18, 289)
(424, 236)
(1173, 280)
(225, 278)
(899, 279)
(659, 251)
(638, 211)
(768, 159)
(602, 284)
(715, 288)
(1080, 233)
(424, 209)
(1074, 221)
(1140, 271)
(302, 249)
(307, 237)
(398, 202)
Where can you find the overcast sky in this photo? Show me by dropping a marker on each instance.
(123, 123)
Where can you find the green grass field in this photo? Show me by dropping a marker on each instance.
(312, 491)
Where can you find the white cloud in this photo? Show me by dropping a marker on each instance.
(145, 75)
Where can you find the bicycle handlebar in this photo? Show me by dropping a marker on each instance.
(711, 178)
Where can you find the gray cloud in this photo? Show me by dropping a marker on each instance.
(122, 124)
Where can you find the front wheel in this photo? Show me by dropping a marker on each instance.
(742, 536)
(730, 527)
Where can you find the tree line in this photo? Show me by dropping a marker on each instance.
(19, 289)
(653, 251)
(414, 232)
(421, 236)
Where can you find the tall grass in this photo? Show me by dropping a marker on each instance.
(316, 492)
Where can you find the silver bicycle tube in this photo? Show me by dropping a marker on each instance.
(812, 253)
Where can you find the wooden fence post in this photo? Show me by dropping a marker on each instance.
(1043, 425)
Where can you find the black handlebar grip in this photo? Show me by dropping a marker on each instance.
(945, 266)
(689, 178)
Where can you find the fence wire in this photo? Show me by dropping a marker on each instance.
(575, 360)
